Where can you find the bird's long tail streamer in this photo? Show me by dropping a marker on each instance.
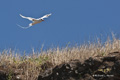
(23, 27)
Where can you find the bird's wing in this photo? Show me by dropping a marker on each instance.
(29, 18)
(25, 27)
(45, 16)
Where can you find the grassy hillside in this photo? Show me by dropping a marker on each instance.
(29, 67)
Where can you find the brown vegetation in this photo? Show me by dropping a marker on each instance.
(16, 67)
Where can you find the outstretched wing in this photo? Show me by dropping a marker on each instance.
(30, 25)
(45, 16)
(29, 18)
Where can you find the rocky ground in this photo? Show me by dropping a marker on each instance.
(97, 68)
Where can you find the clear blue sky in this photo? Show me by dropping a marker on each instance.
(73, 21)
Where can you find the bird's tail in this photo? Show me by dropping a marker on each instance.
(23, 27)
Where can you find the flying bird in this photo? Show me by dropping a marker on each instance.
(34, 21)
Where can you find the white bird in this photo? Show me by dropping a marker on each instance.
(34, 21)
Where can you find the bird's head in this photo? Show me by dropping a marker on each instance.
(42, 19)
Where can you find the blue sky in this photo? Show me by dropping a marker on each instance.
(73, 21)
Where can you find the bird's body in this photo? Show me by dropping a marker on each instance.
(34, 21)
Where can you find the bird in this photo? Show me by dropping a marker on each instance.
(34, 21)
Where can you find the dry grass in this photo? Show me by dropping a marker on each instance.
(31, 64)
